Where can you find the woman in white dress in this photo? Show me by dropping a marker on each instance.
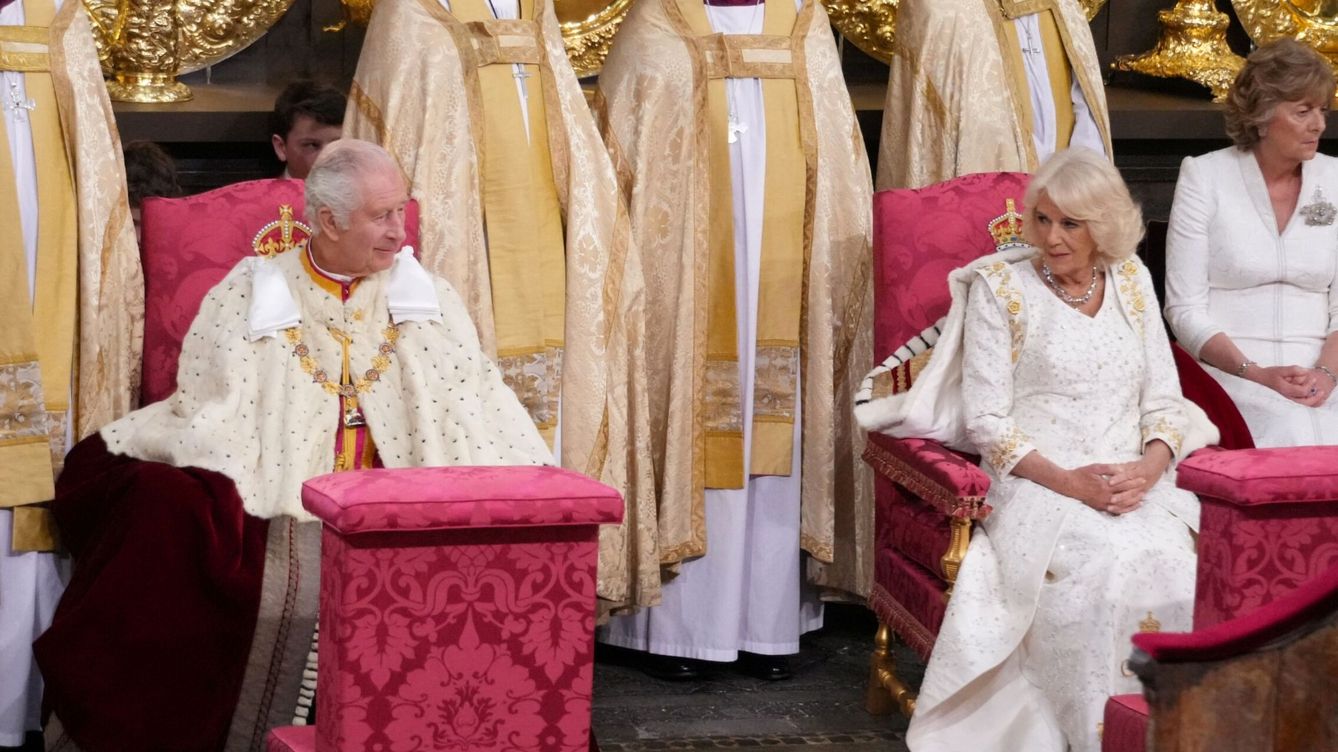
(1252, 252)
(1071, 397)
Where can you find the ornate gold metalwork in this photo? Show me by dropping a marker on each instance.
(1192, 46)
(145, 44)
(886, 691)
(871, 25)
(588, 27)
(1314, 22)
(138, 48)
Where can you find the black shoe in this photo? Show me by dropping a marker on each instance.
(768, 667)
(667, 667)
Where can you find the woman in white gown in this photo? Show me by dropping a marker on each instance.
(1070, 395)
(1252, 251)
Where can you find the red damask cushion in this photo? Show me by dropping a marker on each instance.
(1125, 724)
(901, 522)
(919, 235)
(191, 243)
(448, 498)
(951, 482)
(1263, 476)
(909, 599)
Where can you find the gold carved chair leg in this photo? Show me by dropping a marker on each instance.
(886, 691)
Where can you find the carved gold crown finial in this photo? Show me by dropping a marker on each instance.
(1150, 624)
(1007, 228)
(267, 244)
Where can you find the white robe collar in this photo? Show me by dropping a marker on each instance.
(410, 296)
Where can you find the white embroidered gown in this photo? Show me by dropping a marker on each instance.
(1051, 590)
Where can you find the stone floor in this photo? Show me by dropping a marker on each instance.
(820, 710)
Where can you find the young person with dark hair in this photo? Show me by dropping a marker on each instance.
(307, 116)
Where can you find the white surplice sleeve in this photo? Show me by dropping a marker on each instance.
(1192, 213)
(987, 380)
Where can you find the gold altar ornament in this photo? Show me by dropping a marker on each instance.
(145, 44)
(1313, 22)
(1192, 46)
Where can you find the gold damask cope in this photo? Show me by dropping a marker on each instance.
(871, 25)
(208, 31)
(1314, 22)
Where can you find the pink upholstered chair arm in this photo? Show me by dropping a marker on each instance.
(1313, 601)
(1263, 476)
(942, 478)
(446, 498)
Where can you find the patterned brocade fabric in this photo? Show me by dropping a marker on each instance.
(913, 259)
(1269, 524)
(458, 607)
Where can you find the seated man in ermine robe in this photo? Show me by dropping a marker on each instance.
(986, 86)
(189, 621)
(521, 212)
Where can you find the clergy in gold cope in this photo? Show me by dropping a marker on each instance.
(72, 301)
(749, 190)
(988, 85)
(520, 210)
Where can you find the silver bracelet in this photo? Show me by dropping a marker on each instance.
(1240, 372)
(1328, 373)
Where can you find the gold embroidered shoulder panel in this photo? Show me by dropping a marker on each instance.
(1000, 276)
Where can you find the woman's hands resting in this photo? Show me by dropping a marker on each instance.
(1306, 386)
(1119, 488)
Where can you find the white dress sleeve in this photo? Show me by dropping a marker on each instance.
(1161, 405)
(1187, 289)
(987, 382)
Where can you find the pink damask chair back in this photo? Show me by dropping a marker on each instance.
(926, 497)
(921, 235)
(189, 245)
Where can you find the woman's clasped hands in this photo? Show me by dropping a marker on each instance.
(1119, 488)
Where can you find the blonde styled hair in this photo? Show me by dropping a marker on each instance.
(1087, 187)
(1281, 71)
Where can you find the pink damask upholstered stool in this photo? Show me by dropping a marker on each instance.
(457, 608)
(1269, 525)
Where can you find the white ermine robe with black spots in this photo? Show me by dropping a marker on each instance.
(245, 408)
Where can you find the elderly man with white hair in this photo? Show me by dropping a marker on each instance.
(190, 619)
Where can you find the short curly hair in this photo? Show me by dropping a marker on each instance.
(1281, 71)
(1088, 188)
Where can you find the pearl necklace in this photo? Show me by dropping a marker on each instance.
(1076, 302)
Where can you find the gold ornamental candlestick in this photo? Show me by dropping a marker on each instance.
(1192, 46)
(143, 55)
